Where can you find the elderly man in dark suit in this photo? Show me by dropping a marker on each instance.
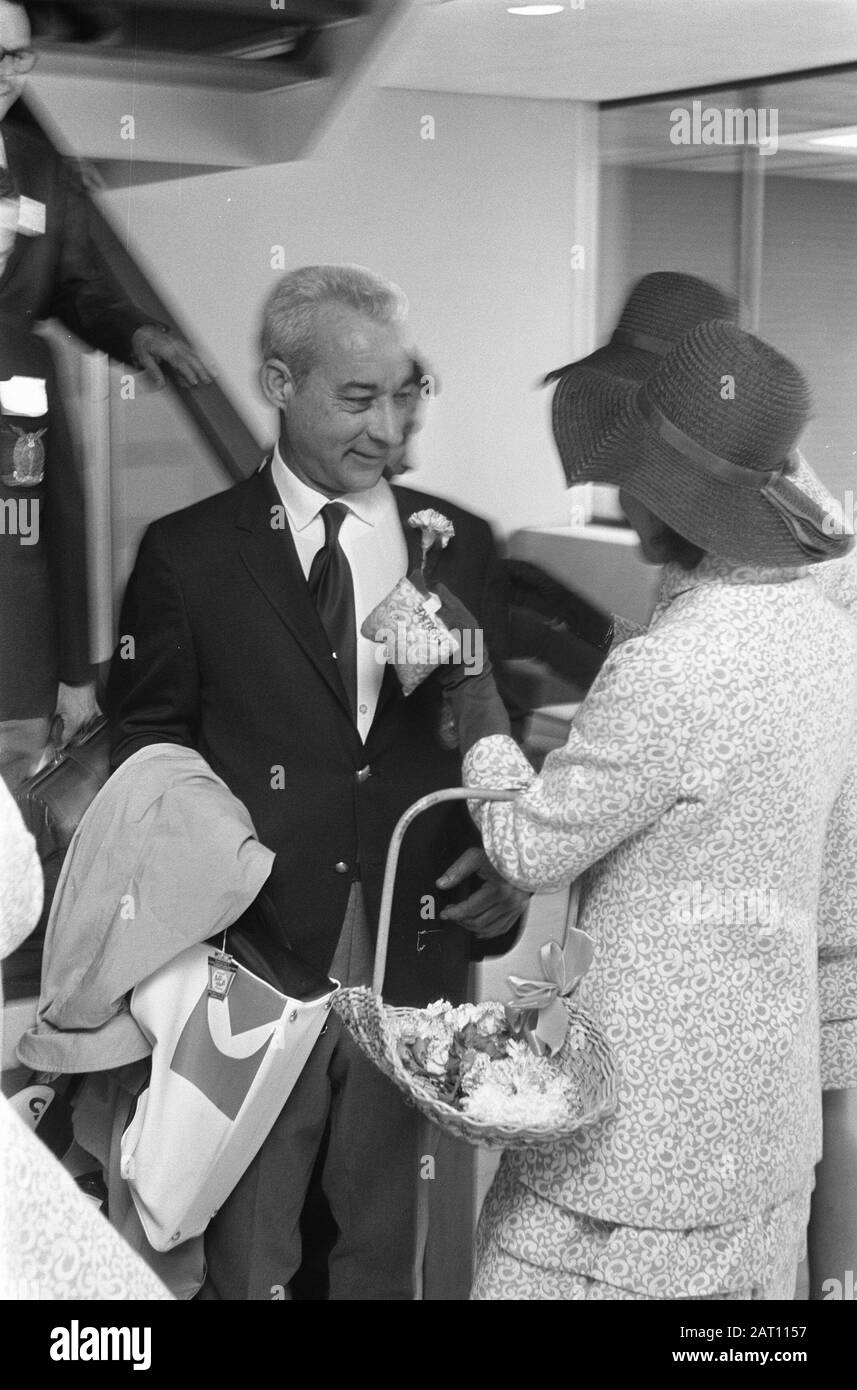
(244, 615)
(46, 271)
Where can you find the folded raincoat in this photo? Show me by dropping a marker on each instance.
(165, 857)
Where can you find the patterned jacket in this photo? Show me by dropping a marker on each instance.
(704, 795)
(837, 922)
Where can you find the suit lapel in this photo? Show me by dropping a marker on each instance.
(269, 553)
(405, 503)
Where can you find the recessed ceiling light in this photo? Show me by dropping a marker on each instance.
(828, 141)
(534, 9)
(840, 140)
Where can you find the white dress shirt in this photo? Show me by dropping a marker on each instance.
(374, 546)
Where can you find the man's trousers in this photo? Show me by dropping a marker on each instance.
(344, 1113)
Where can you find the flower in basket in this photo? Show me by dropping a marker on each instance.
(536, 1013)
(437, 530)
(469, 1058)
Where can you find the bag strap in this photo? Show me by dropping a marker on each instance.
(61, 751)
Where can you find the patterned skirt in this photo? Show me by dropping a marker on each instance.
(530, 1249)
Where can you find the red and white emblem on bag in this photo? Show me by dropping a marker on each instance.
(222, 1070)
(221, 1047)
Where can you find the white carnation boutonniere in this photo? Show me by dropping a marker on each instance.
(436, 529)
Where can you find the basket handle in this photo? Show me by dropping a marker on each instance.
(424, 804)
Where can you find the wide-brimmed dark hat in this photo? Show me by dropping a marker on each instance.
(660, 309)
(707, 442)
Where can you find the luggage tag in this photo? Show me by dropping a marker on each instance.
(32, 217)
(222, 969)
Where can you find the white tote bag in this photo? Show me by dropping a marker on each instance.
(222, 1069)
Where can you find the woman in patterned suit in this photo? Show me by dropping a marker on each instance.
(698, 798)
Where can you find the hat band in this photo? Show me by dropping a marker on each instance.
(646, 342)
(755, 478)
(801, 515)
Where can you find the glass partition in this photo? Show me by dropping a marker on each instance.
(755, 189)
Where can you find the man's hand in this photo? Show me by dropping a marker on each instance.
(76, 705)
(494, 908)
(152, 345)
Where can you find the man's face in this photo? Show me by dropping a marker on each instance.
(14, 34)
(348, 419)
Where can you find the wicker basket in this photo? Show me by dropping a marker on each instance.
(375, 1026)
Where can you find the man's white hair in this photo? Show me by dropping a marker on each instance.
(289, 322)
(6, 5)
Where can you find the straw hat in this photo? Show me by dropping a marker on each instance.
(660, 309)
(707, 442)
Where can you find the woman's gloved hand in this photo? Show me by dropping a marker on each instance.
(470, 637)
(477, 710)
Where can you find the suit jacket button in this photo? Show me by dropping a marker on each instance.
(341, 867)
(363, 773)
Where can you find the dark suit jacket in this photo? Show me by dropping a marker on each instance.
(231, 658)
(55, 276)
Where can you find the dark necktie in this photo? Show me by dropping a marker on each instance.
(332, 589)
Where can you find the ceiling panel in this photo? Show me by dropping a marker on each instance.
(616, 48)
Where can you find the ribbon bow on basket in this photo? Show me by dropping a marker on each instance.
(536, 1012)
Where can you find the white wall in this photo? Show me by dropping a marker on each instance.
(476, 225)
